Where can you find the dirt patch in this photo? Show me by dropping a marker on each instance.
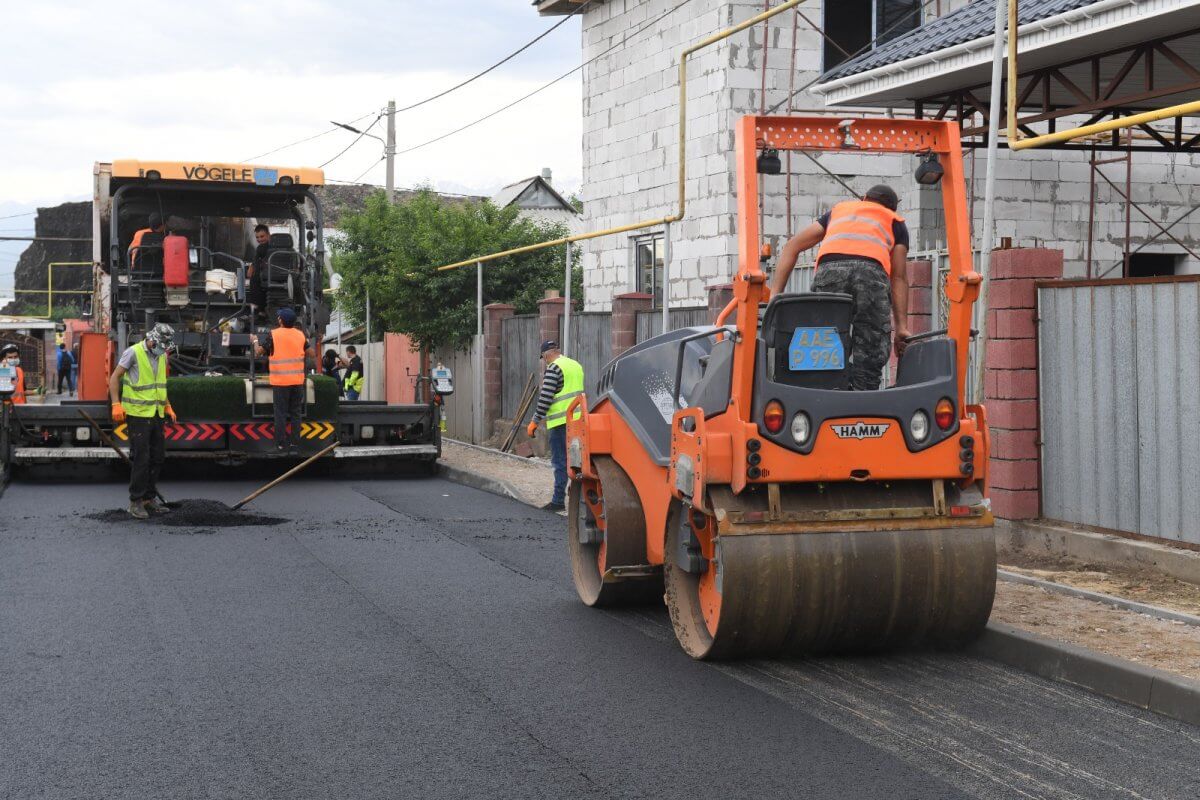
(1159, 643)
(204, 514)
(1132, 583)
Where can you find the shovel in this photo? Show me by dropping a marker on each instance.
(283, 477)
(104, 437)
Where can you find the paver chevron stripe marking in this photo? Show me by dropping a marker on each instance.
(316, 430)
(121, 432)
(236, 430)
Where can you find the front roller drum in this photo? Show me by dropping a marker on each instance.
(606, 532)
(772, 594)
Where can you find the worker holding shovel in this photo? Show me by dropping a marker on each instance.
(138, 390)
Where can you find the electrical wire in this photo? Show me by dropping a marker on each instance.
(22, 214)
(502, 61)
(301, 141)
(357, 139)
(545, 86)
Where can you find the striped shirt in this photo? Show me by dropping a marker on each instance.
(552, 384)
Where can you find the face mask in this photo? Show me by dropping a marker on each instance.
(14, 362)
(154, 347)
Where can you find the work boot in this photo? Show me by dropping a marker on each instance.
(156, 506)
(137, 509)
(553, 506)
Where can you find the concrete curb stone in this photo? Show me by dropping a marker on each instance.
(1145, 687)
(477, 481)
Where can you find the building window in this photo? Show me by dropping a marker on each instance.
(1154, 265)
(648, 261)
(853, 25)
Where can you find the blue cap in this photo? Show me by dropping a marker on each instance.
(287, 316)
(549, 344)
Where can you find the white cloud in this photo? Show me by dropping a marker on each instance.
(233, 82)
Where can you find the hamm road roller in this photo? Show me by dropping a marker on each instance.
(730, 470)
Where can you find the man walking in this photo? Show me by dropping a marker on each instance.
(66, 366)
(562, 381)
(864, 250)
(286, 349)
(138, 391)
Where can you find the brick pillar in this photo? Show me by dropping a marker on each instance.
(719, 295)
(1010, 385)
(550, 311)
(920, 296)
(624, 319)
(494, 315)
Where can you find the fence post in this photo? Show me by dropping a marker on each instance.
(549, 312)
(624, 319)
(719, 295)
(494, 315)
(920, 296)
(1010, 386)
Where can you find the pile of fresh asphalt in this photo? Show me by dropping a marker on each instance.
(193, 514)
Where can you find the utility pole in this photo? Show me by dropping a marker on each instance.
(390, 151)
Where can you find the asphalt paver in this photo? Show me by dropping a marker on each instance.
(417, 638)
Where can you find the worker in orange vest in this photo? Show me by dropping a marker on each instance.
(12, 355)
(287, 350)
(155, 223)
(864, 253)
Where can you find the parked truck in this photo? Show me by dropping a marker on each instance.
(200, 275)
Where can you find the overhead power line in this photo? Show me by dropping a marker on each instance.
(357, 139)
(22, 214)
(502, 61)
(546, 86)
(302, 141)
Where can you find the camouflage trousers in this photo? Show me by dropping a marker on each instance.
(871, 324)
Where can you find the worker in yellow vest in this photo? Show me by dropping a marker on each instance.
(562, 381)
(863, 253)
(287, 352)
(138, 391)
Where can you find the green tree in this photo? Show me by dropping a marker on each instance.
(394, 251)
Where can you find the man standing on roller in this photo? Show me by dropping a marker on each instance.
(562, 381)
(864, 253)
(138, 391)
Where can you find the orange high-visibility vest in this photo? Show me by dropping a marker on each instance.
(134, 246)
(861, 228)
(287, 357)
(18, 395)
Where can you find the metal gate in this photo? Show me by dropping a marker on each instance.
(519, 356)
(1119, 405)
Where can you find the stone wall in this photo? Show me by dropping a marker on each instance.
(65, 221)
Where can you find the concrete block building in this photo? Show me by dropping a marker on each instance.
(870, 57)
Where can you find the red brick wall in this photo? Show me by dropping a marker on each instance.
(1010, 385)
(493, 325)
(549, 310)
(624, 319)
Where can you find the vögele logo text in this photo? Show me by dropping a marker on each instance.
(861, 430)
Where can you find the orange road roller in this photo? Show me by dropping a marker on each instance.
(774, 510)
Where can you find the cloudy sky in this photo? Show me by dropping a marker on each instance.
(82, 81)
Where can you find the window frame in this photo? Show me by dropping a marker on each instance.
(656, 240)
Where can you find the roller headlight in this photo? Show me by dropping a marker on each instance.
(918, 426)
(801, 428)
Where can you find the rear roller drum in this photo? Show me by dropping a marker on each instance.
(606, 530)
(771, 594)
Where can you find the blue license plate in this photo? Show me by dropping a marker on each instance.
(266, 177)
(815, 349)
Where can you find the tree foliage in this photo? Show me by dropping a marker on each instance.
(394, 251)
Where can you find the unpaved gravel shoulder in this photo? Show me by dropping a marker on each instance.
(1159, 643)
(531, 478)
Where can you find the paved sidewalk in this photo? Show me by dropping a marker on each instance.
(1162, 644)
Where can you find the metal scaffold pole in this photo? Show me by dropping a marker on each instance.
(566, 337)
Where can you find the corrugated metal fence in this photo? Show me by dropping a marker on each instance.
(460, 406)
(590, 344)
(1119, 406)
(518, 357)
(649, 323)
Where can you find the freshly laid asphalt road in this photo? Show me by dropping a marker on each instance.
(419, 639)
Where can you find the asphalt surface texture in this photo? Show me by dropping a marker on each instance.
(420, 639)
